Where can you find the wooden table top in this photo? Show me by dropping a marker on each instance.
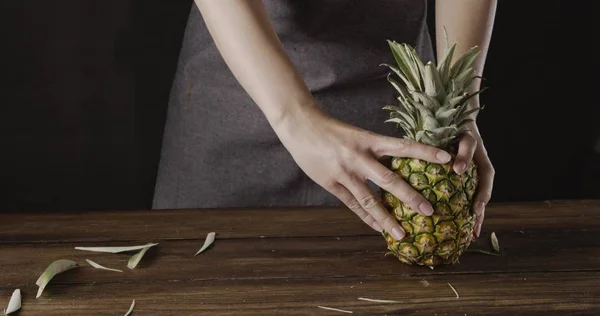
(289, 261)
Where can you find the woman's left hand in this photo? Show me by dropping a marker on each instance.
(471, 147)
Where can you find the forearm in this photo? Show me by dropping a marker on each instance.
(249, 45)
(468, 23)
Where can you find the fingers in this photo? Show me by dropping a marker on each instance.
(374, 207)
(391, 182)
(401, 147)
(479, 222)
(483, 196)
(348, 199)
(466, 150)
(486, 184)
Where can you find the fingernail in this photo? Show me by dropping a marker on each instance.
(443, 156)
(460, 167)
(397, 233)
(377, 227)
(426, 209)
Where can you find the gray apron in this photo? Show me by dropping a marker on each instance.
(218, 149)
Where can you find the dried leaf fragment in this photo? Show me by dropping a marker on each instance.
(210, 238)
(453, 289)
(15, 302)
(101, 267)
(53, 269)
(115, 249)
(495, 242)
(335, 309)
(135, 259)
(379, 301)
(130, 308)
(483, 252)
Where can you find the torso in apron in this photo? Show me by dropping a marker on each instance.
(219, 150)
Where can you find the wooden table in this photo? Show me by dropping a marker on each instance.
(289, 261)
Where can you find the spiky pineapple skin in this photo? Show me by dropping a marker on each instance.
(441, 238)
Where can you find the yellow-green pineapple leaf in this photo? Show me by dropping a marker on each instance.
(495, 243)
(56, 267)
(15, 302)
(465, 61)
(433, 83)
(135, 259)
(405, 64)
(445, 65)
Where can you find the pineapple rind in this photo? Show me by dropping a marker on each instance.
(442, 237)
(434, 108)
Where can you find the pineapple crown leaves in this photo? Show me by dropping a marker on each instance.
(433, 99)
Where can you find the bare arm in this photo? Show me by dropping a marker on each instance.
(249, 45)
(337, 156)
(469, 23)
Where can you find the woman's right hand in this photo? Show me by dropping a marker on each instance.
(337, 156)
(341, 158)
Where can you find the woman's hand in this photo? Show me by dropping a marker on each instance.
(475, 31)
(470, 147)
(340, 158)
(337, 156)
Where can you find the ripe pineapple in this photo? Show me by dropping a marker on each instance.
(433, 109)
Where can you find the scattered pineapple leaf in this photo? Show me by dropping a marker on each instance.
(210, 238)
(335, 309)
(135, 259)
(53, 269)
(453, 289)
(379, 301)
(15, 302)
(115, 249)
(431, 267)
(483, 252)
(130, 308)
(425, 283)
(101, 267)
(495, 242)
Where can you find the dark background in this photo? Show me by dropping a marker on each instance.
(84, 87)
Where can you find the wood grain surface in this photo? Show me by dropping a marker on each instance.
(289, 261)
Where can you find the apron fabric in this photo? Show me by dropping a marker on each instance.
(218, 149)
